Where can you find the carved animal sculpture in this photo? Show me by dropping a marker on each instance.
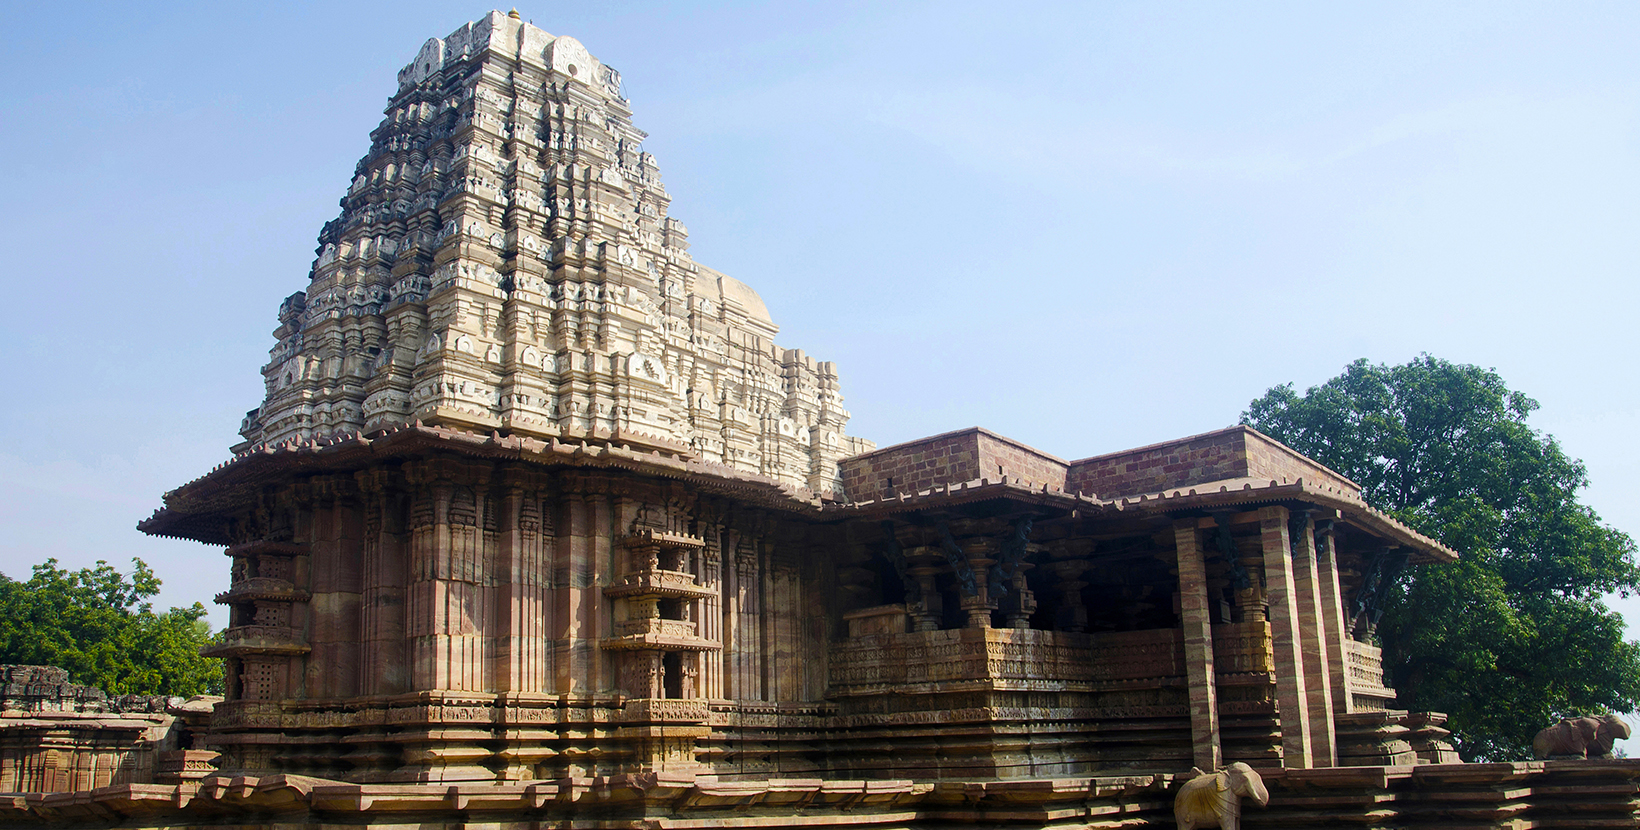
(1214, 799)
(1580, 737)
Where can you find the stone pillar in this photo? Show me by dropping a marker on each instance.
(383, 661)
(461, 609)
(768, 624)
(332, 669)
(427, 542)
(923, 564)
(749, 637)
(1198, 646)
(520, 595)
(1021, 601)
(576, 635)
(1332, 614)
(1313, 625)
(731, 617)
(710, 620)
(784, 610)
(595, 618)
(1286, 627)
(1070, 615)
(981, 553)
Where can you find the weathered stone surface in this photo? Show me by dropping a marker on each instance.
(57, 736)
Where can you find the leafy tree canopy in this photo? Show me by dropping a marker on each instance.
(98, 624)
(1515, 633)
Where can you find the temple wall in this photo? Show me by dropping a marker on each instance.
(910, 468)
(1268, 458)
(1211, 457)
(468, 620)
(1237, 452)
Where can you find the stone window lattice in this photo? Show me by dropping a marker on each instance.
(259, 681)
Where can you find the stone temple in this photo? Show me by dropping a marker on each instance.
(536, 524)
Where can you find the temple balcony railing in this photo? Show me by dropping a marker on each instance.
(263, 588)
(258, 639)
(658, 583)
(881, 654)
(657, 627)
(665, 710)
(1364, 664)
(659, 634)
(239, 714)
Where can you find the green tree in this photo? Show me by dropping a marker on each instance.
(1515, 633)
(98, 624)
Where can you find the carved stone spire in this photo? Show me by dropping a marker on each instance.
(504, 261)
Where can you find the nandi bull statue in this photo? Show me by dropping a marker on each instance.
(1213, 799)
(1580, 737)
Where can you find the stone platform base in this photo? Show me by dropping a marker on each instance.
(1568, 794)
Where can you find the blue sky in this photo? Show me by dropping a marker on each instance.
(1085, 226)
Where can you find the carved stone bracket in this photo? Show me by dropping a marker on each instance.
(958, 560)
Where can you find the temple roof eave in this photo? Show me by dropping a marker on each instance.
(196, 509)
(1201, 498)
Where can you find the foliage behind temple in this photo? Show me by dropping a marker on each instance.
(98, 624)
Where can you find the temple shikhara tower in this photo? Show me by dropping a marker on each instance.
(537, 524)
(504, 261)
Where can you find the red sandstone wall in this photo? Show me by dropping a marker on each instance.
(966, 455)
(1268, 458)
(950, 458)
(1000, 456)
(909, 468)
(1202, 458)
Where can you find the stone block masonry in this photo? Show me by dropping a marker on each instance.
(1227, 454)
(950, 458)
(1224, 456)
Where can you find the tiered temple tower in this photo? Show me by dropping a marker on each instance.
(504, 261)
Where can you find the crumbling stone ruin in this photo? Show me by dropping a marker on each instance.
(537, 524)
(57, 736)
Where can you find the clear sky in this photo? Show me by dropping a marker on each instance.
(1087, 226)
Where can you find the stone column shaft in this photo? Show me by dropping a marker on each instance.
(1286, 632)
(1313, 624)
(382, 599)
(1332, 610)
(749, 638)
(520, 601)
(1198, 646)
(710, 620)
